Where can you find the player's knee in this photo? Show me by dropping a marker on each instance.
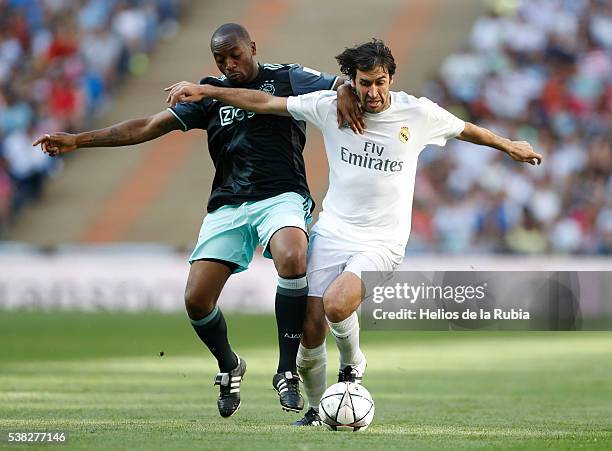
(198, 304)
(291, 262)
(336, 310)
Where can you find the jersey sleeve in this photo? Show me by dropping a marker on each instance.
(194, 115)
(190, 115)
(441, 125)
(313, 107)
(305, 80)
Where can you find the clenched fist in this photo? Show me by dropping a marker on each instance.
(522, 151)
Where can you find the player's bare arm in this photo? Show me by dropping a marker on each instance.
(517, 150)
(349, 107)
(126, 133)
(248, 99)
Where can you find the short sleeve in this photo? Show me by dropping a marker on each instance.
(191, 115)
(305, 80)
(194, 115)
(313, 107)
(441, 125)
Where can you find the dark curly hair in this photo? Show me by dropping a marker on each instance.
(366, 57)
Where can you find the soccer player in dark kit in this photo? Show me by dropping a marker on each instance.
(259, 196)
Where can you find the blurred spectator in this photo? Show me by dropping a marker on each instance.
(6, 197)
(27, 166)
(527, 237)
(60, 60)
(101, 51)
(541, 71)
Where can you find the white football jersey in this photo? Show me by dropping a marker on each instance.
(371, 176)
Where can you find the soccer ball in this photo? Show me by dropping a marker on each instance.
(346, 406)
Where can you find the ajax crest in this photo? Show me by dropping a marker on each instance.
(268, 87)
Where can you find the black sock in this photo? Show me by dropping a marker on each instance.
(290, 308)
(212, 330)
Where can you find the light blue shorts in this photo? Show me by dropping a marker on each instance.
(231, 233)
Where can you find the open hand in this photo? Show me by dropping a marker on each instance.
(349, 109)
(185, 91)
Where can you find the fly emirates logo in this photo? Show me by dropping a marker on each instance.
(371, 157)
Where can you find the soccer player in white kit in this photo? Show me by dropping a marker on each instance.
(366, 217)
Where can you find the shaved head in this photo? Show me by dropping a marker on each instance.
(230, 31)
(233, 52)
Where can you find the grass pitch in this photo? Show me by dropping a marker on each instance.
(101, 378)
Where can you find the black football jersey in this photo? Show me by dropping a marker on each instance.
(256, 156)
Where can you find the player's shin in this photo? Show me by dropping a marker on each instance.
(346, 333)
(212, 330)
(312, 366)
(290, 309)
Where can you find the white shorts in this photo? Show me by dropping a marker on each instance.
(328, 257)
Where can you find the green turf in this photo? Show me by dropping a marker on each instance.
(101, 377)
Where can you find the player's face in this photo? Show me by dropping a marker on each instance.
(234, 58)
(373, 89)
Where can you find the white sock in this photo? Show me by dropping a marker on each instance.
(312, 366)
(347, 340)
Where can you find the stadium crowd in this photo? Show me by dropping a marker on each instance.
(539, 71)
(535, 70)
(60, 61)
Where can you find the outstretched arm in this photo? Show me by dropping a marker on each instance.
(518, 150)
(247, 99)
(349, 108)
(123, 134)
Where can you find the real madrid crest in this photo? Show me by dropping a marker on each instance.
(404, 134)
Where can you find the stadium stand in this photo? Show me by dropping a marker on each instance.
(60, 62)
(535, 70)
(538, 70)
